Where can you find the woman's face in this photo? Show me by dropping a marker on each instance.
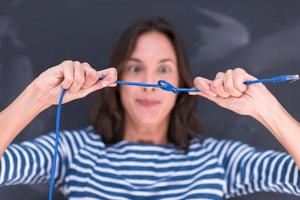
(152, 59)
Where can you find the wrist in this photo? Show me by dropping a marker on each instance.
(35, 98)
(267, 109)
(272, 117)
(268, 112)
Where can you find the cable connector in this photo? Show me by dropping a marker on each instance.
(283, 78)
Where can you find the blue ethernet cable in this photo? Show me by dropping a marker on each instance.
(169, 87)
(165, 85)
(160, 84)
(57, 124)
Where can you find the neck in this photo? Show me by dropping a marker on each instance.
(146, 133)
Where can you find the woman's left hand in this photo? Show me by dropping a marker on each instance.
(229, 91)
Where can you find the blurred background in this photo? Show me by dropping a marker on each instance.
(260, 36)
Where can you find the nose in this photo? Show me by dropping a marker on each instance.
(149, 79)
(149, 89)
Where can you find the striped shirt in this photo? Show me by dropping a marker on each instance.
(88, 169)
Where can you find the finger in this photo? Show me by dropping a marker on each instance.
(250, 88)
(216, 99)
(239, 76)
(217, 85)
(110, 77)
(67, 67)
(203, 85)
(228, 85)
(91, 76)
(249, 77)
(78, 77)
(85, 92)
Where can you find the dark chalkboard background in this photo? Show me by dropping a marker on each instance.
(261, 36)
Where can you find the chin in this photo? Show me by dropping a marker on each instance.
(148, 118)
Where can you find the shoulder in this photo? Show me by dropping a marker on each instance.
(212, 142)
(217, 146)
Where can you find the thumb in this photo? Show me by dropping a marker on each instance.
(203, 85)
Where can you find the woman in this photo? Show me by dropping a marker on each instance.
(145, 142)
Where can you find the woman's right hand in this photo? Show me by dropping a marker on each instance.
(79, 79)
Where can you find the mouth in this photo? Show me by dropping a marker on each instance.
(147, 102)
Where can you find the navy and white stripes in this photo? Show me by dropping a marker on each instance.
(211, 169)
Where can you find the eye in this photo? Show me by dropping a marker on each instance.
(134, 68)
(164, 69)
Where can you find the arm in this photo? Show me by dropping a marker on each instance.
(79, 78)
(18, 114)
(229, 91)
(247, 169)
(284, 127)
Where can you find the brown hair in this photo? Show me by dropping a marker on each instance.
(107, 112)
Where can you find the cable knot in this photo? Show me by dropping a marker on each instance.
(165, 85)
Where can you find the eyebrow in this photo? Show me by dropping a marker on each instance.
(135, 59)
(161, 61)
(166, 60)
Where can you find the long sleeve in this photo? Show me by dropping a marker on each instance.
(248, 169)
(30, 162)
